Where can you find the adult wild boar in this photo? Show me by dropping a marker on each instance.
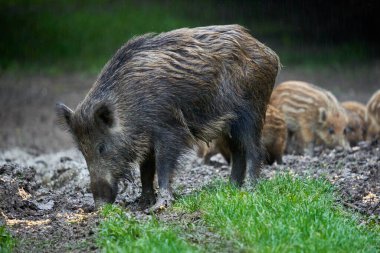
(162, 92)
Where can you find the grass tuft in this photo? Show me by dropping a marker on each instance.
(7, 242)
(282, 215)
(120, 233)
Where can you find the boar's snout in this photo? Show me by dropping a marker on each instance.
(344, 143)
(103, 192)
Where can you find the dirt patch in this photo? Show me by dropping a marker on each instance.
(45, 201)
(27, 114)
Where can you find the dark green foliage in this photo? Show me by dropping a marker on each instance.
(73, 34)
(70, 35)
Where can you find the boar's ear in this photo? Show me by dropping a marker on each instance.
(64, 115)
(322, 115)
(105, 115)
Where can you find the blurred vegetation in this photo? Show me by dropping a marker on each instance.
(66, 35)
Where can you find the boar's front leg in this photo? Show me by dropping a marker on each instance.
(147, 170)
(168, 147)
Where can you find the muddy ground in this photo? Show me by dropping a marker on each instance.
(44, 193)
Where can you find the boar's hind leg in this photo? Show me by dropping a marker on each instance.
(254, 156)
(147, 170)
(245, 149)
(238, 154)
(238, 162)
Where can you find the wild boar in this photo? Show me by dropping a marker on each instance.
(357, 126)
(208, 150)
(312, 114)
(274, 135)
(162, 92)
(274, 138)
(373, 117)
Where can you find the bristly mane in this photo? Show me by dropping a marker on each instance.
(123, 55)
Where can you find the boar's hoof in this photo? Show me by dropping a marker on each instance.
(88, 208)
(161, 205)
(146, 201)
(164, 200)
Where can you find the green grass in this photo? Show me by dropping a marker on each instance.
(120, 233)
(284, 214)
(7, 242)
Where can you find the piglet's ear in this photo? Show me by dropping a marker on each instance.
(105, 115)
(64, 116)
(322, 115)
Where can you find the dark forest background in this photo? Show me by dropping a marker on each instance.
(81, 35)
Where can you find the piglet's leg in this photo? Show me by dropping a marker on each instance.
(308, 141)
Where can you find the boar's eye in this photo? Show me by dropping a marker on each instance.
(331, 130)
(101, 148)
(348, 130)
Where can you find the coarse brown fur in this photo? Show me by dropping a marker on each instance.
(373, 117)
(161, 93)
(273, 139)
(312, 114)
(357, 126)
